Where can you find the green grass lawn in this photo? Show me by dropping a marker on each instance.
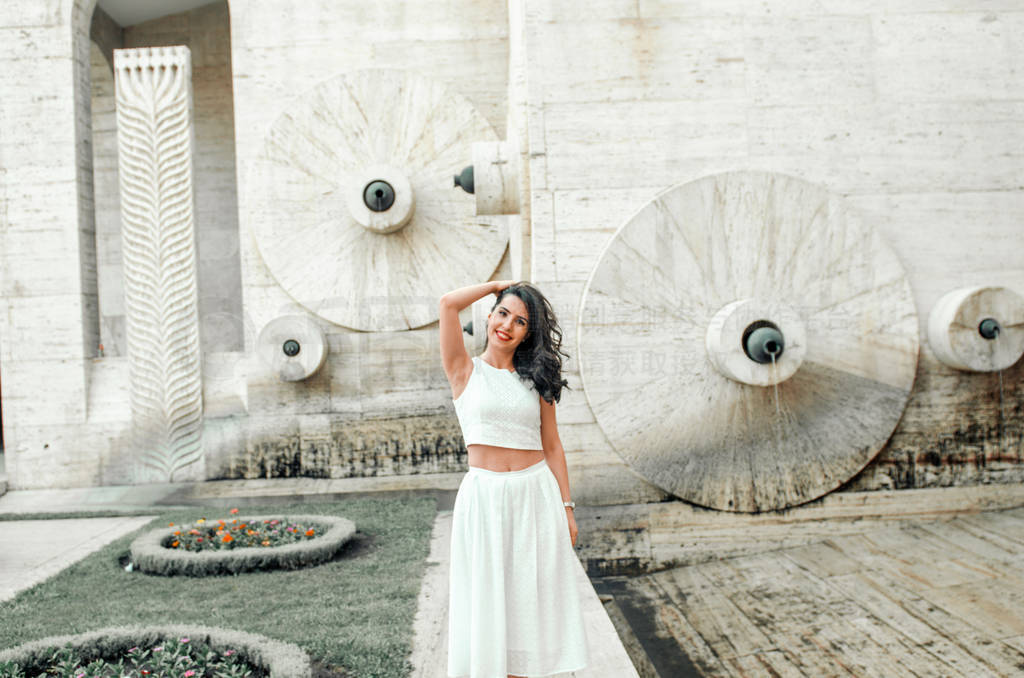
(353, 613)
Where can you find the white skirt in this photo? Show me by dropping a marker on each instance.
(513, 605)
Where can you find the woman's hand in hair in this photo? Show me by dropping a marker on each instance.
(500, 285)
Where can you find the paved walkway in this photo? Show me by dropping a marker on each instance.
(32, 551)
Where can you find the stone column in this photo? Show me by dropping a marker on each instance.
(155, 139)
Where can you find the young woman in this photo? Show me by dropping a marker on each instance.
(513, 607)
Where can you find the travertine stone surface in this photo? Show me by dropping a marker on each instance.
(659, 285)
(655, 535)
(953, 328)
(310, 345)
(154, 121)
(309, 239)
(496, 177)
(909, 112)
(106, 192)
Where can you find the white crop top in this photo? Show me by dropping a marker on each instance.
(498, 408)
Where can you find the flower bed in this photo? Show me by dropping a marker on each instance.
(241, 545)
(224, 534)
(174, 649)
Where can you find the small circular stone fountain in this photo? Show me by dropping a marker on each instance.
(756, 342)
(978, 329)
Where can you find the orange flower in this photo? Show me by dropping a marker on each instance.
(175, 543)
(234, 510)
(265, 543)
(177, 533)
(170, 524)
(234, 520)
(227, 538)
(309, 532)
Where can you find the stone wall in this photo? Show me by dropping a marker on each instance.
(382, 398)
(47, 324)
(913, 115)
(110, 277)
(282, 49)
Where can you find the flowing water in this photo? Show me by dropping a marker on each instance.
(775, 384)
(1002, 418)
(777, 424)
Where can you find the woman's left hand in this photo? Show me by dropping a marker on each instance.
(571, 515)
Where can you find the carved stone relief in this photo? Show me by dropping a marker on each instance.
(154, 133)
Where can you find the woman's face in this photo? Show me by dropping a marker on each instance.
(508, 323)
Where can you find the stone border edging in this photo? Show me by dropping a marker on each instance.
(150, 556)
(281, 659)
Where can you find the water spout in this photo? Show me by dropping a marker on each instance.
(763, 342)
(989, 328)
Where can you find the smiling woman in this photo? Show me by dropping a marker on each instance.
(513, 607)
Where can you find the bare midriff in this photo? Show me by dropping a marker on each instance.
(495, 458)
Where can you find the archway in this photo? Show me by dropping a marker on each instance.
(204, 27)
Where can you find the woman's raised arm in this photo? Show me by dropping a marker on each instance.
(454, 357)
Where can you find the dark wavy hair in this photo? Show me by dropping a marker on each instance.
(537, 356)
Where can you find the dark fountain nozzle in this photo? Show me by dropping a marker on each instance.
(763, 342)
(465, 179)
(379, 195)
(989, 328)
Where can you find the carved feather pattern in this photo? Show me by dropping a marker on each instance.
(154, 134)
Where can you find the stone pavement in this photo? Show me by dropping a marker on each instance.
(34, 550)
(918, 596)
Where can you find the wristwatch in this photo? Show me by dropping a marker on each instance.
(569, 504)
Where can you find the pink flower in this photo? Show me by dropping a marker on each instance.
(229, 653)
(157, 649)
(190, 672)
(184, 640)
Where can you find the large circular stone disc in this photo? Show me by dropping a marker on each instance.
(309, 240)
(709, 439)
